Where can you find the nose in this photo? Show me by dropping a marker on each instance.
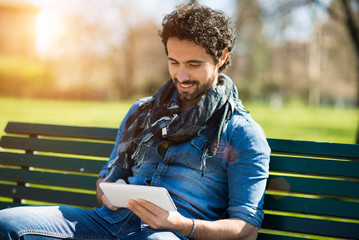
(182, 75)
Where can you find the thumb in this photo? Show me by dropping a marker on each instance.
(121, 181)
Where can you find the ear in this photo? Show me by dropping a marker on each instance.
(223, 58)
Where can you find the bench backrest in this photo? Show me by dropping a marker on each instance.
(313, 189)
(55, 164)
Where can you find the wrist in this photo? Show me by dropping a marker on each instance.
(186, 227)
(194, 228)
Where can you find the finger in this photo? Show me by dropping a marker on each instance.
(121, 181)
(108, 204)
(154, 216)
(152, 207)
(135, 205)
(142, 212)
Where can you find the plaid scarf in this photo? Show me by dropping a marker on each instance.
(160, 119)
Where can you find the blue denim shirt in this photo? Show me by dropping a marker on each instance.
(232, 186)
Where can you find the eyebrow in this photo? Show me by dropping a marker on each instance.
(189, 61)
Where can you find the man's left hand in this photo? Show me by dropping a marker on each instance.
(157, 218)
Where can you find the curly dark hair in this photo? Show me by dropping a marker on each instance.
(211, 29)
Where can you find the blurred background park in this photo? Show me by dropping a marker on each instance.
(84, 62)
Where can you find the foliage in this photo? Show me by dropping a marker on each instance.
(21, 76)
(108, 50)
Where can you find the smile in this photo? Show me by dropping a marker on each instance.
(185, 84)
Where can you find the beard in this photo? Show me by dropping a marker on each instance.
(200, 89)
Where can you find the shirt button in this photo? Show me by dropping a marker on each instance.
(122, 211)
(116, 216)
(158, 177)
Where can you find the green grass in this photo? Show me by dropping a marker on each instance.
(292, 121)
(105, 114)
(300, 122)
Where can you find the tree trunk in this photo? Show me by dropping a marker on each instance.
(353, 30)
(314, 66)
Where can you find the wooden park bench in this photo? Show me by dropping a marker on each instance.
(312, 193)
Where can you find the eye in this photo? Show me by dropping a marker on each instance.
(173, 63)
(194, 65)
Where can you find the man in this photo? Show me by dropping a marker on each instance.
(192, 137)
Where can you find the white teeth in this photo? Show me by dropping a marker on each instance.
(186, 85)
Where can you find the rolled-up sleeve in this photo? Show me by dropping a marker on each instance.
(248, 167)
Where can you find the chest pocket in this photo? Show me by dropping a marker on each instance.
(214, 164)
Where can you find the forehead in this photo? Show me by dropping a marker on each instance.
(185, 50)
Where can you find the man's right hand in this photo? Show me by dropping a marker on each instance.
(99, 192)
(101, 198)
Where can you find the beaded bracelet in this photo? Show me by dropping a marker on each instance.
(193, 229)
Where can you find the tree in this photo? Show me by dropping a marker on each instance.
(251, 58)
(351, 21)
(107, 52)
(345, 12)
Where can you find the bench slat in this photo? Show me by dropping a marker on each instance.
(335, 150)
(9, 204)
(328, 207)
(49, 178)
(311, 226)
(62, 131)
(57, 146)
(314, 166)
(48, 195)
(51, 162)
(341, 188)
(269, 236)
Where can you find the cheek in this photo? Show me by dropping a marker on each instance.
(208, 73)
(172, 70)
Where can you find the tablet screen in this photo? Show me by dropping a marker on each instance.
(119, 194)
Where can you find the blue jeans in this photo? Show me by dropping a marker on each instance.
(66, 222)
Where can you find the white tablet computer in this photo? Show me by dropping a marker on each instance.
(119, 194)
